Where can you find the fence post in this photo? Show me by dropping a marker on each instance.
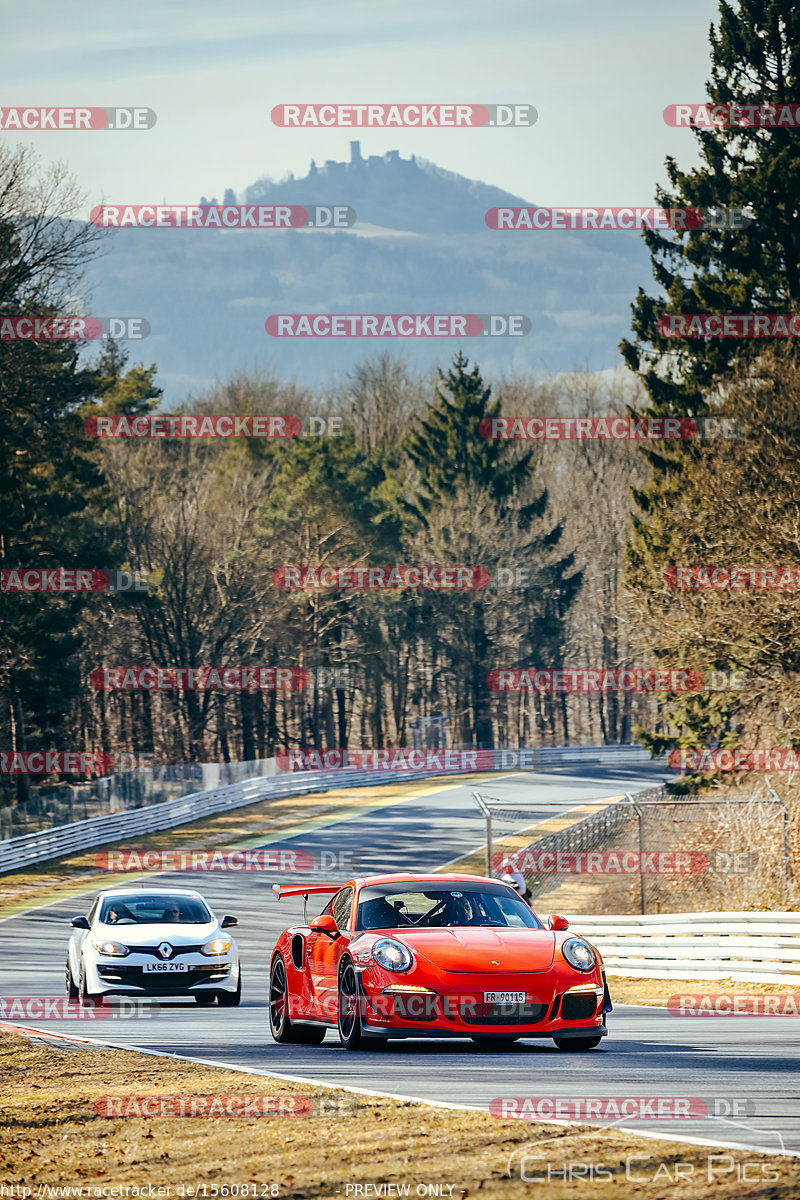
(485, 810)
(639, 815)
(787, 850)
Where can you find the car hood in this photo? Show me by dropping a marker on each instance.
(153, 935)
(489, 951)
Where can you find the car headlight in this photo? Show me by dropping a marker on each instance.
(392, 955)
(217, 945)
(114, 949)
(579, 954)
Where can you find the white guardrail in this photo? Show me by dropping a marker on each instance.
(31, 848)
(747, 946)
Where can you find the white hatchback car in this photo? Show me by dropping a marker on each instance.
(153, 942)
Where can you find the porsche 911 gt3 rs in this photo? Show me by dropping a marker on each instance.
(398, 956)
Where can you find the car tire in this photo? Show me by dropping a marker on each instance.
(349, 1015)
(282, 1028)
(85, 997)
(205, 998)
(71, 986)
(501, 1043)
(582, 1043)
(231, 999)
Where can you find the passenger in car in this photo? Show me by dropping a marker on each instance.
(120, 912)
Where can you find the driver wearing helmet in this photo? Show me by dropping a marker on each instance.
(455, 909)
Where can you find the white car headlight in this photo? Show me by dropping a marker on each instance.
(114, 949)
(216, 946)
(392, 955)
(579, 954)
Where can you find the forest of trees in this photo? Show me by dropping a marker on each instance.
(405, 479)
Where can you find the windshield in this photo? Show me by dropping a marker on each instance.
(433, 905)
(154, 910)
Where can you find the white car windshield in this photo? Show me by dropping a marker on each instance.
(154, 910)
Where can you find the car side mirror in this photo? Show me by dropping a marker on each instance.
(226, 922)
(557, 923)
(325, 924)
(80, 922)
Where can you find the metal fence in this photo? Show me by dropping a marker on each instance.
(123, 791)
(100, 831)
(646, 852)
(148, 810)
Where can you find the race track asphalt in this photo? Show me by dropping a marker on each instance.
(648, 1052)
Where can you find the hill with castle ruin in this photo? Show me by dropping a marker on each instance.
(420, 245)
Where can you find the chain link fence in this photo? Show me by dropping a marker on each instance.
(138, 788)
(647, 853)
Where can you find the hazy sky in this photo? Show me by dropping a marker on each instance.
(599, 75)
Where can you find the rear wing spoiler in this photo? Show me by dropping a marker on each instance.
(282, 890)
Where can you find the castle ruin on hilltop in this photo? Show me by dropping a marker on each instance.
(359, 163)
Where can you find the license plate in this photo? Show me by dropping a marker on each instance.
(504, 997)
(164, 968)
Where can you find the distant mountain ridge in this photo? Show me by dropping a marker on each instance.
(409, 194)
(419, 245)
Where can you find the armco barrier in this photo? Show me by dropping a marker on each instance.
(19, 852)
(539, 758)
(746, 946)
(145, 782)
(100, 831)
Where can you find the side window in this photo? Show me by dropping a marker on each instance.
(340, 907)
(93, 911)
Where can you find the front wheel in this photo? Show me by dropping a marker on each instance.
(587, 1043)
(85, 997)
(231, 999)
(349, 1019)
(71, 986)
(282, 1028)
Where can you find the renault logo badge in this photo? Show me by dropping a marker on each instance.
(165, 950)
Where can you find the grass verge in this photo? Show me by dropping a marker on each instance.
(627, 990)
(51, 1134)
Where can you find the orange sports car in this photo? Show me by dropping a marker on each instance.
(399, 956)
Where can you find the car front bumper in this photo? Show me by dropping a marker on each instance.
(394, 1032)
(549, 1011)
(130, 979)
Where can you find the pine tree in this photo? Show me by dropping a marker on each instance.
(53, 495)
(447, 450)
(459, 473)
(755, 59)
